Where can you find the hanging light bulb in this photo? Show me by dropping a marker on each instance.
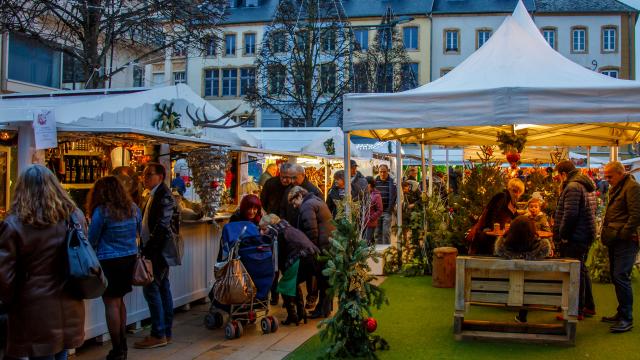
(4, 136)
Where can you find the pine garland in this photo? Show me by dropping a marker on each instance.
(350, 280)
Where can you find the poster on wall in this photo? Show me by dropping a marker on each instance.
(44, 129)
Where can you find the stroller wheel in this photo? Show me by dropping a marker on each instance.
(265, 325)
(230, 331)
(210, 322)
(215, 319)
(239, 329)
(274, 323)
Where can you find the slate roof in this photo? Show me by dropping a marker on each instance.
(479, 6)
(354, 8)
(582, 6)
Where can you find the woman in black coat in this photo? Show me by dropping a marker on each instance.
(501, 210)
(316, 222)
(295, 258)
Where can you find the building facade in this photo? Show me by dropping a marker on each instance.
(597, 34)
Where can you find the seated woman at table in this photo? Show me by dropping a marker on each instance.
(522, 242)
(500, 210)
(537, 216)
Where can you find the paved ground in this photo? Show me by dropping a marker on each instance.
(193, 341)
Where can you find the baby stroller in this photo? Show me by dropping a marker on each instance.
(258, 254)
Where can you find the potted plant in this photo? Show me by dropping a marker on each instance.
(512, 145)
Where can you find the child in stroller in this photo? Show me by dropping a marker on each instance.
(258, 254)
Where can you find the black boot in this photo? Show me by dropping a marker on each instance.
(290, 305)
(318, 311)
(302, 313)
(123, 345)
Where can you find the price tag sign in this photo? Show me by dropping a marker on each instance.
(44, 129)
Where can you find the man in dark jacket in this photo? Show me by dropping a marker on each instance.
(620, 235)
(273, 190)
(574, 228)
(359, 185)
(389, 193)
(158, 233)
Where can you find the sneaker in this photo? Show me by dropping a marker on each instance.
(151, 342)
(588, 312)
(517, 319)
(611, 319)
(621, 326)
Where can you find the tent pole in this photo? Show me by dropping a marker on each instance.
(347, 168)
(446, 151)
(424, 168)
(613, 153)
(326, 178)
(430, 170)
(589, 157)
(399, 194)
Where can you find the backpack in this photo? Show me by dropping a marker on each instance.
(85, 278)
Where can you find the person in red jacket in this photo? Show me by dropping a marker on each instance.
(375, 210)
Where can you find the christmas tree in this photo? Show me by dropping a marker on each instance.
(349, 331)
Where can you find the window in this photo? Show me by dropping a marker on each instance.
(385, 38)
(482, 36)
(249, 44)
(609, 35)
(72, 70)
(179, 77)
(278, 42)
(550, 35)
(328, 40)
(157, 79)
(138, 75)
(247, 80)
(613, 72)
(362, 39)
(384, 78)
(361, 72)
(212, 82)
(230, 82)
(179, 51)
(579, 39)
(410, 37)
(451, 41)
(444, 71)
(32, 62)
(230, 45)
(302, 40)
(249, 118)
(293, 122)
(211, 47)
(328, 78)
(277, 75)
(298, 79)
(409, 76)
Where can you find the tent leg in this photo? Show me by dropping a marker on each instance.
(399, 195)
(347, 168)
(424, 167)
(446, 151)
(589, 157)
(326, 178)
(430, 170)
(613, 153)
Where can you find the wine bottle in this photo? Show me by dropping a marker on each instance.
(91, 169)
(67, 169)
(78, 171)
(85, 169)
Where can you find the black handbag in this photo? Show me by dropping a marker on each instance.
(86, 279)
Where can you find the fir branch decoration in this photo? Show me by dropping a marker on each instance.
(509, 141)
(347, 332)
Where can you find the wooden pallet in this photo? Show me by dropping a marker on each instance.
(517, 284)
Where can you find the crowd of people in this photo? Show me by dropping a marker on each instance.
(574, 229)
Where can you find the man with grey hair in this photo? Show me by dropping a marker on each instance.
(274, 189)
(620, 235)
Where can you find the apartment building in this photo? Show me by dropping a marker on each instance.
(222, 74)
(597, 34)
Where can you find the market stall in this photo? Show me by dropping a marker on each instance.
(99, 131)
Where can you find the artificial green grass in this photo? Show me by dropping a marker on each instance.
(418, 324)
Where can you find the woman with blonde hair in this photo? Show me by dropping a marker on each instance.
(115, 222)
(45, 319)
(500, 210)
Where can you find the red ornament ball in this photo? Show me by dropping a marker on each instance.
(215, 184)
(371, 324)
(513, 157)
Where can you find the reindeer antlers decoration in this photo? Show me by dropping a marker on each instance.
(213, 123)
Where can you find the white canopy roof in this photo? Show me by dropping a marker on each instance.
(120, 112)
(316, 147)
(514, 78)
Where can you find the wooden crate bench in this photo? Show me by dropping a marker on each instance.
(517, 283)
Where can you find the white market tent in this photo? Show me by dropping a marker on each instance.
(124, 114)
(514, 80)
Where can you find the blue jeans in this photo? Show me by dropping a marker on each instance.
(383, 231)
(62, 355)
(622, 256)
(160, 300)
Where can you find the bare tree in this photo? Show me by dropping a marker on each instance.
(89, 31)
(385, 66)
(302, 65)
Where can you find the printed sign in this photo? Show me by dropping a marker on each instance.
(44, 129)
